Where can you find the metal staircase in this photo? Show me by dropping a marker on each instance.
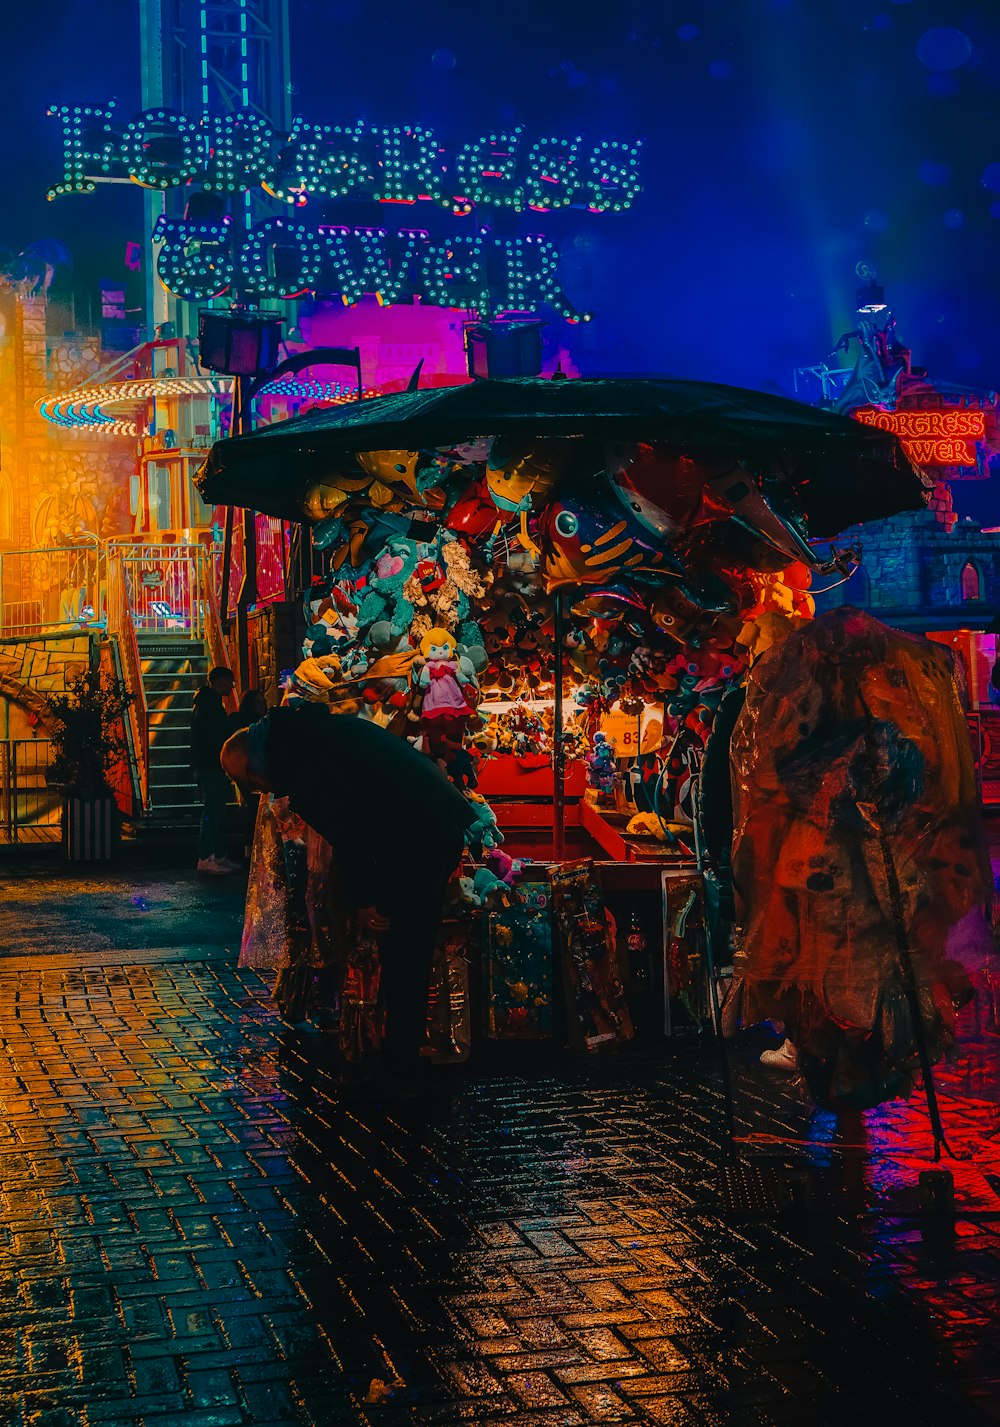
(172, 669)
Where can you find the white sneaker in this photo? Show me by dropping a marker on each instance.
(227, 864)
(786, 1057)
(213, 867)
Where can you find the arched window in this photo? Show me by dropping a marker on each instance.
(971, 583)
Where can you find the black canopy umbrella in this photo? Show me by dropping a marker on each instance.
(840, 471)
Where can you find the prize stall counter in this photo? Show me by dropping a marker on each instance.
(652, 892)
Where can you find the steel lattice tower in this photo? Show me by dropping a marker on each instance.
(215, 57)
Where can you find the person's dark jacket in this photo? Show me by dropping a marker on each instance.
(210, 727)
(389, 813)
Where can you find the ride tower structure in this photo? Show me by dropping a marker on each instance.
(217, 57)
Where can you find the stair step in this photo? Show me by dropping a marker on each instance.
(162, 669)
(170, 778)
(170, 643)
(163, 703)
(183, 677)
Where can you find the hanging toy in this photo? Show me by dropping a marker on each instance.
(442, 684)
(418, 475)
(590, 542)
(503, 496)
(601, 768)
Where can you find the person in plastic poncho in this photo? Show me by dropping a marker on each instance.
(856, 825)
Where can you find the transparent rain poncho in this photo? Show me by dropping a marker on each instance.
(857, 839)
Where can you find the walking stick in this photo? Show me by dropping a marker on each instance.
(910, 988)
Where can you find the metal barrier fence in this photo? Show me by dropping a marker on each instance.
(50, 589)
(128, 665)
(164, 585)
(29, 808)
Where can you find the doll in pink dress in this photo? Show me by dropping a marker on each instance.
(444, 711)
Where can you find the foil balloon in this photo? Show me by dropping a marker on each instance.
(664, 489)
(328, 495)
(586, 543)
(419, 474)
(616, 602)
(758, 512)
(687, 612)
(730, 549)
(515, 480)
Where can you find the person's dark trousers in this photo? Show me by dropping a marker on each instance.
(413, 905)
(213, 786)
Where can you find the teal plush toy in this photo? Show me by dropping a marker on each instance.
(491, 890)
(391, 572)
(484, 833)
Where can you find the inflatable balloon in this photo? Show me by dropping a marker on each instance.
(588, 542)
(514, 481)
(419, 475)
(758, 512)
(687, 612)
(665, 490)
(328, 496)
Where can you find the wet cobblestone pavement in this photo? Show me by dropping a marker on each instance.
(195, 1229)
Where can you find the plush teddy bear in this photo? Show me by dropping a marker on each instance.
(462, 894)
(387, 597)
(504, 867)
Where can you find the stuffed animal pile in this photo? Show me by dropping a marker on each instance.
(444, 566)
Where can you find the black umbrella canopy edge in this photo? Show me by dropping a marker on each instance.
(266, 468)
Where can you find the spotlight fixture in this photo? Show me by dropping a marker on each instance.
(504, 348)
(241, 343)
(870, 297)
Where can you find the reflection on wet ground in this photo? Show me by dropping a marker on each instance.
(195, 1228)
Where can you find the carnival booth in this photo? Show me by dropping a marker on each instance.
(549, 586)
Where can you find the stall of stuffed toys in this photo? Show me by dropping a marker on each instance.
(449, 574)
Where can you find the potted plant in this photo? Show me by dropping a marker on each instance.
(87, 741)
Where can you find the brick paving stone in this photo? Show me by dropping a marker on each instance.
(197, 1231)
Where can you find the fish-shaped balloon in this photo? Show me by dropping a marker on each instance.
(686, 610)
(587, 542)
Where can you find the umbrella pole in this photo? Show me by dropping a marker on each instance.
(713, 985)
(558, 747)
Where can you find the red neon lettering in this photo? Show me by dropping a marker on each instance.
(942, 452)
(915, 425)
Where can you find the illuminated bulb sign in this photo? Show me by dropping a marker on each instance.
(240, 152)
(931, 438)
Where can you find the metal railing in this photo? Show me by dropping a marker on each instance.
(121, 628)
(164, 584)
(30, 810)
(47, 590)
(218, 651)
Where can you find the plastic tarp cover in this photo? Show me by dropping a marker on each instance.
(857, 832)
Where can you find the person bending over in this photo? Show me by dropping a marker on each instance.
(397, 829)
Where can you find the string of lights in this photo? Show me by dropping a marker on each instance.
(241, 151)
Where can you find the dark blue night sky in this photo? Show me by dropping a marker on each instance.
(785, 141)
